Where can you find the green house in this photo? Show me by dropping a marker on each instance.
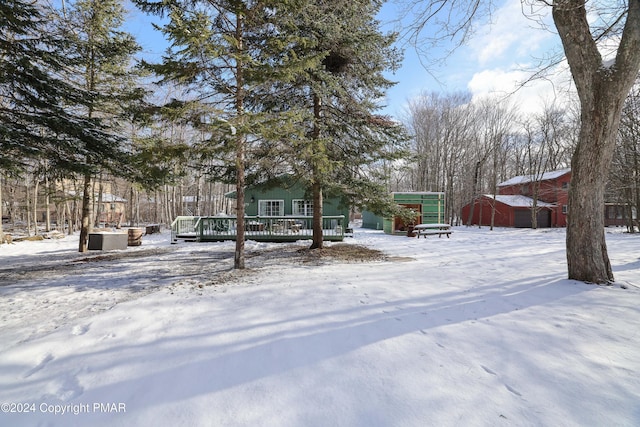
(280, 210)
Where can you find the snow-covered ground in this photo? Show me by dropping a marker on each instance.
(482, 329)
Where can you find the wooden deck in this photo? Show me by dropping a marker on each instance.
(262, 229)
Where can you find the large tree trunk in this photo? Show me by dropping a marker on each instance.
(36, 187)
(587, 255)
(99, 208)
(318, 238)
(86, 214)
(602, 89)
(28, 200)
(238, 261)
(2, 238)
(47, 203)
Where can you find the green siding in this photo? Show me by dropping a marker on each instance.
(371, 220)
(288, 192)
(388, 225)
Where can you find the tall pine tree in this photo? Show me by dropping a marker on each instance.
(342, 96)
(42, 113)
(39, 111)
(223, 53)
(102, 57)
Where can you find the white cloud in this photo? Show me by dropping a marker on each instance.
(530, 98)
(514, 34)
(496, 61)
(494, 81)
(507, 52)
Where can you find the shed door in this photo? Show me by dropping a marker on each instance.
(523, 218)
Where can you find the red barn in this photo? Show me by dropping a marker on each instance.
(510, 211)
(551, 188)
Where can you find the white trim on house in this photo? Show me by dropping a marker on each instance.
(265, 207)
(307, 207)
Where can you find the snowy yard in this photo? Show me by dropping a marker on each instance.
(481, 329)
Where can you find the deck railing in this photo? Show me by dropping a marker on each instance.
(183, 227)
(273, 228)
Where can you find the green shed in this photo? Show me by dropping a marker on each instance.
(429, 207)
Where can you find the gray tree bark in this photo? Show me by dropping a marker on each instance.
(86, 214)
(602, 89)
(239, 258)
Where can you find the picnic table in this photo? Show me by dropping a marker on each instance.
(432, 229)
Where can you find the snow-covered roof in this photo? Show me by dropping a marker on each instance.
(111, 198)
(523, 179)
(193, 199)
(420, 193)
(517, 201)
(106, 197)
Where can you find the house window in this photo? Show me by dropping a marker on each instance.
(302, 207)
(565, 185)
(564, 209)
(271, 207)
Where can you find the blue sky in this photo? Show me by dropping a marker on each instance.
(492, 62)
(139, 24)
